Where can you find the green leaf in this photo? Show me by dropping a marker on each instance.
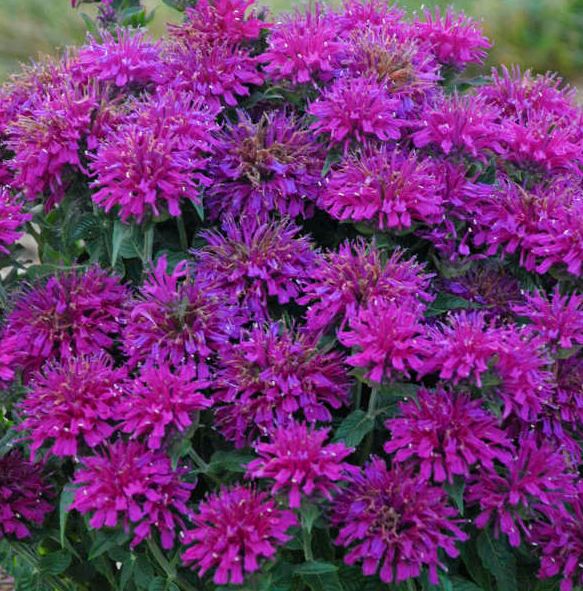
(474, 566)
(144, 573)
(126, 574)
(319, 576)
(354, 428)
(309, 513)
(55, 563)
(157, 584)
(445, 302)
(229, 461)
(456, 492)
(121, 232)
(65, 503)
(499, 560)
(460, 584)
(315, 567)
(104, 541)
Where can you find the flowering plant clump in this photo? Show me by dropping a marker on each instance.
(303, 309)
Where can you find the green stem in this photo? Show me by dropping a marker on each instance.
(358, 396)
(149, 243)
(198, 460)
(372, 403)
(168, 569)
(307, 538)
(182, 233)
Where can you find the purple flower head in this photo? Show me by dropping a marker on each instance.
(359, 14)
(24, 497)
(219, 72)
(301, 464)
(218, 21)
(387, 338)
(543, 143)
(71, 403)
(460, 124)
(12, 218)
(462, 348)
(446, 434)
(522, 365)
(385, 187)
(128, 58)
(272, 165)
(159, 402)
(558, 319)
(537, 475)
(156, 157)
(519, 94)
(407, 70)
(356, 109)
(252, 262)
(304, 47)
(569, 391)
(455, 39)
(397, 521)
(126, 484)
(47, 138)
(344, 281)
(234, 531)
(71, 314)
(560, 543)
(178, 318)
(273, 376)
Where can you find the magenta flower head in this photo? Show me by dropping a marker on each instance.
(253, 262)
(273, 375)
(357, 14)
(387, 339)
(462, 348)
(219, 72)
(272, 165)
(446, 434)
(235, 530)
(159, 402)
(24, 496)
(126, 59)
(387, 188)
(71, 314)
(128, 485)
(558, 319)
(558, 539)
(459, 124)
(178, 318)
(12, 218)
(71, 403)
(344, 281)
(304, 47)
(217, 21)
(47, 138)
(520, 94)
(301, 463)
(395, 521)
(537, 475)
(356, 109)
(455, 39)
(155, 158)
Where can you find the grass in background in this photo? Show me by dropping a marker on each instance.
(544, 34)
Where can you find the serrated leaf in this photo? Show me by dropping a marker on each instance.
(354, 428)
(498, 560)
(55, 563)
(65, 502)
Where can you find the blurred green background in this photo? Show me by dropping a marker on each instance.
(544, 34)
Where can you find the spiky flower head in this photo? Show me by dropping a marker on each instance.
(160, 402)
(397, 522)
(387, 339)
(297, 458)
(304, 47)
(24, 496)
(72, 403)
(537, 475)
(346, 280)
(271, 165)
(253, 262)
(445, 435)
(71, 314)
(358, 14)
(156, 157)
(178, 318)
(388, 188)
(272, 376)
(12, 219)
(356, 108)
(235, 531)
(455, 39)
(125, 484)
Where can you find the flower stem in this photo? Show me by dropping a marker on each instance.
(168, 569)
(149, 243)
(372, 402)
(182, 233)
(307, 539)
